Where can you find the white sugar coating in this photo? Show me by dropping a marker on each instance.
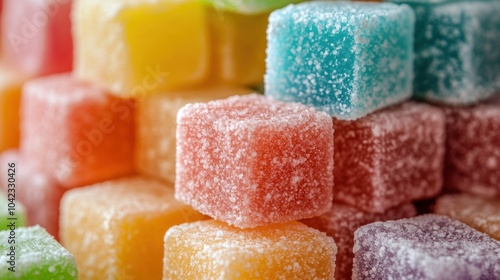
(214, 250)
(347, 59)
(38, 256)
(280, 157)
(425, 247)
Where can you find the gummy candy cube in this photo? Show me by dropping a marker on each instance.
(239, 45)
(347, 59)
(12, 211)
(425, 247)
(480, 213)
(342, 221)
(473, 148)
(137, 47)
(10, 98)
(115, 229)
(252, 161)
(39, 194)
(215, 250)
(36, 36)
(74, 132)
(389, 157)
(157, 124)
(36, 255)
(250, 6)
(457, 59)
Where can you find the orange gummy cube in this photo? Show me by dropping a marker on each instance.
(10, 98)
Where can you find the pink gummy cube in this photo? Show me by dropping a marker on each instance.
(252, 161)
(36, 35)
(342, 221)
(39, 194)
(390, 157)
(75, 132)
(473, 148)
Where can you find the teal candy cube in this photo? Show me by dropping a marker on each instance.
(6, 216)
(37, 256)
(251, 6)
(457, 50)
(347, 59)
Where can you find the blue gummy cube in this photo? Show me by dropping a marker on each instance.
(457, 50)
(347, 59)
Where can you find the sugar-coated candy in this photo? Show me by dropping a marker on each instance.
(480, 213)
(36, 36)
(473, 148)
(342, 221)
(39, 193)
(75, 132)
(215, 250)
(390, 157)
(10, 99)
(37, 256)
(252, 161)
(115, 229)
(12, 212)
(424, 247)
(157, 123)
(250, 6)
(136, 47)
(457, 59)
(347, 59)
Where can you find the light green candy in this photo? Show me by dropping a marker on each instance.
(251, 6)
(37, 256)
(19, 214)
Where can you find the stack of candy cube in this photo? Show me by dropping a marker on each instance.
(134, 144)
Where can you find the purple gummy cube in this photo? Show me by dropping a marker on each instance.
(424, 247)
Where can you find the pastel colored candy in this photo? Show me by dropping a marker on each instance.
(250, 6)
(135, 47)
(13, 213)
(473, 148)
(39, 193)
(390, 157)
(37, 256)
(424, 247)
(251, 161)
(480, 213)
(75, 132)
(157, 123)
(10, 99)
(347, 59)
(37, 37)
(457, 59)
(115, 229)
(342, 221)
(214, 250)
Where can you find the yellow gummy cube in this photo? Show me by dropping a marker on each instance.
(214, 250)
(10, 99)
(239, 47)
(157, 124)
(135, 47)
(115, 229)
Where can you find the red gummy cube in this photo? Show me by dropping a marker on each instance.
(36, 35)
(343, 220)
(251, 161)
(75, 132)
(390, 157)
(39, 194)
(473, 148)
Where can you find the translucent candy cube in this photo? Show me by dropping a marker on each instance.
(157, 123)
(473, 148)
(75, 132)
(12, 211)
(347, 59)
(36, 256)
(136, 47)
(115, 229)
(10, 99)
(342, 221)
(36, 36)
(252, 161)
(389, 157)
(425, 247)
(480, 213)
(215, 250)
(457, 59)
(250, 6)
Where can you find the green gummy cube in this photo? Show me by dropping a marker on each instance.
(6, 215)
